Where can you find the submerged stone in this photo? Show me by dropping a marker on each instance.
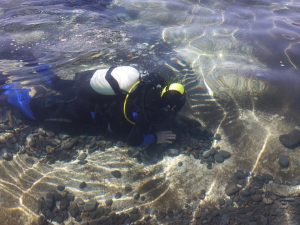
(290, 140)
(82, 185)
(231, 189)
(283, 161)
(108, 202)
(7, 156)
(116, 173)
(90, 205)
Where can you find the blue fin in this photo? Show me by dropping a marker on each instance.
(19, 98)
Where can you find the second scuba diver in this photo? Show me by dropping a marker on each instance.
(116, 99)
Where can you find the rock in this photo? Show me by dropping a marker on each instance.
(209, 166)
(91, 205)
(60, 187)
(172, 152)
(7, 156)
(224, 219)
(231, 189)
(82, 156)
(206, 154)
(283, 161)
(180, 164)
(49, 201)
(217, 137)
(136, 196)
(219, 158)
(290, 140)
(256, 197)
(225, 154)
(128, 188)
(50, 149)
(68, 144)
(116, 173)
(64, 204)
(267, 201)
(82, 185)
(108, 202)
(118, 195)
(74, 209)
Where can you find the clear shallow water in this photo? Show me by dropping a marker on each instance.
(239, 62)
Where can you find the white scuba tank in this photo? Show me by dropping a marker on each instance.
(126, 76)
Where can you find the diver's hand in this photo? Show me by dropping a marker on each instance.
(165, 137)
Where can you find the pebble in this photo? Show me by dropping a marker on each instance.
(267, 201)
(256, 197)
(60, 187)
(290, 140)
(128, 188)
(82, 185)
(118, 195)
(136, 196)
(82, 156)
(206, 154)
(7, 156)
(68, 144)
(91, 205)
(116, 173)
(231, 189)
(225, 154)
(283, 161)
(180, 164)
(74, 209)
(219, 158)
(108, 202)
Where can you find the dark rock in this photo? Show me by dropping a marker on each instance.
(68, 144)
(231, 189)
(221, 202)
(108, 202)
(143, 198)
(82, 185)
(136, 196)
(64, 204)
(180, 164)
(245, 193)
(82, 162)
(116, 173)
(91, 205)
(217, 137)
(49, 201)
(82, 156)
(283, 161)
(59, 219)
(225, 154)
(128, 188)
(256, 197)
(74, 209)
(118, 195)
(224, 219)
(206, 153)
(7, 156)
(209, 166)
(60, 187)
(70, 196)
(290, 140)
(100, 211)
(219, 158)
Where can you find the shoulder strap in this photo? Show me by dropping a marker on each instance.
(114, 83)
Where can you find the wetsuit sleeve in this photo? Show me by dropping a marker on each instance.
(141, 135)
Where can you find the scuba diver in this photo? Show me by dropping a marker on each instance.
(116, 99)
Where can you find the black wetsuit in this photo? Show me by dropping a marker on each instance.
(77, 105)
